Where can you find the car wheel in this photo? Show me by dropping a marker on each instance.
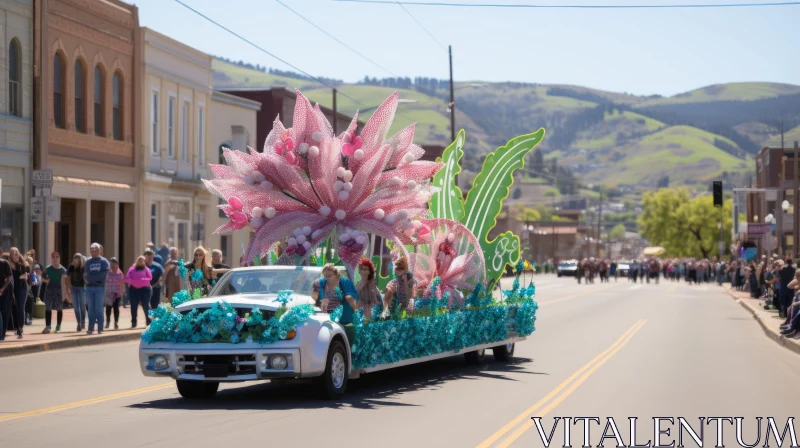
(475, 357)
(335, 377)
(197, 390)
(504, 352)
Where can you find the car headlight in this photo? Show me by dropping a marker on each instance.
(160, 362)
(278, 362)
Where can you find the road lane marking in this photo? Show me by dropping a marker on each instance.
(529, 423)
(573, 296)
(530, 411)
(78, 404)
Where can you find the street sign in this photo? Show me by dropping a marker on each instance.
(37, 209)
(53, 211)
(754, 229)
(42, 182)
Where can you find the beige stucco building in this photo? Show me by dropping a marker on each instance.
(87, 109)
(16, 138)
(176, 92)
(234, 126)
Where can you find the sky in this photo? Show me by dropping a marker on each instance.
(638, 51)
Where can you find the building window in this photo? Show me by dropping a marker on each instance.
(80, 97)
(98, 102)
(154, 124)
(58, 90)
(185, 132)
(116, 118)
(171, 127)
(153, 223)
(14, 76)
(201, 142)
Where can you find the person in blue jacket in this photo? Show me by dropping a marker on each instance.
(331, 291)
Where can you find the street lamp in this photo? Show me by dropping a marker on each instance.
(785, 206)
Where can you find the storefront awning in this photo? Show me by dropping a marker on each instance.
(77, 182)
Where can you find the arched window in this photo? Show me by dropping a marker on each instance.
(14, 86)
(80, 97)
(117, 101)
(58, 90)
(99, 129)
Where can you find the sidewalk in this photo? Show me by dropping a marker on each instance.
(34, 341)
(768, 319)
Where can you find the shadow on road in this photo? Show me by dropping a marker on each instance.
(370, 391)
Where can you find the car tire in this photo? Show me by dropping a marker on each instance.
(504, 352)
(475, 357)
(197, 390)
(334, 380)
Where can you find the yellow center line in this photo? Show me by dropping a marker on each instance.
(530, 411)
(77, 404)
(573, 296)
(528, 424)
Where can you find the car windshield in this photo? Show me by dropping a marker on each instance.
(567, 264)
(266, 281)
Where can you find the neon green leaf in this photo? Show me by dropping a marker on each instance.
(448, 203)
(500, 251)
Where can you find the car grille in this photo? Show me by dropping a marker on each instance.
(241, 312)
(218, 365)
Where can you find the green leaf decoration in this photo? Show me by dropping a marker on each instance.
(448, 203)
(381, 281)
(501, 251)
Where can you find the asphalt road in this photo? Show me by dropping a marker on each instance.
(606, 350)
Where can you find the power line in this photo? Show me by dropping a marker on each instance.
(262, 49)
(500, 5)
(420, 25)
(337, 40)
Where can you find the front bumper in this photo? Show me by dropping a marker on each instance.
(223, 365)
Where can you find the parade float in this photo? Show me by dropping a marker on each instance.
(311, 198)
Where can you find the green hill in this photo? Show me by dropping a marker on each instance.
(740, 91)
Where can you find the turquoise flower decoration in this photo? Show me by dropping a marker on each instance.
(197, 275)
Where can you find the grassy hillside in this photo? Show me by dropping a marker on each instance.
(742, 91)
(789, 137)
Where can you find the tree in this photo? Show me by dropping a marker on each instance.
(538, 161)
(617, 232)
(684, 227)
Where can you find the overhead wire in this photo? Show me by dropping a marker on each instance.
(421, 25)
(523, 5)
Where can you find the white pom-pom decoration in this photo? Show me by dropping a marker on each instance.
(451, 237)
(408, 158)
(361, 239)
(340, 214)
(267, 185)
(315, 234)
(257, 212)
(269, 213)
(390, 219)
(324, 210)
(338, 186)
(292, 242)
(359, 154)
(348, 186)
(347, 176)
(249, 179)
(344, 195)
(257, 222)
(297, 232)
(411, 185)
(340, 172)
(258, 178)
(306, 230)
(313, 151)
(408, 225)
(317, 136)
(301, 239)
(303, 148)
(379, 214)
(402, 214)
(307, 245)
(395, 181)
(345, 237)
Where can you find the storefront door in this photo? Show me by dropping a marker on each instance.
(179, 237)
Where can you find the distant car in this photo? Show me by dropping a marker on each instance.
(623, 268)
(567, 268)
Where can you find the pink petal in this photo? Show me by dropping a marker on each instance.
(289, 144)
(357, 142)
(279, 148)
(235, 204)
(239, 218)
(348, 149)
(291, 158)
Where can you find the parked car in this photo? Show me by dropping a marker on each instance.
(567, 268)
(623, 267)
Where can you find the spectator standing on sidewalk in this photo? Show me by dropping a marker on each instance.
(6, 296)
(157, 271)
(20, 269)
(216, 262)
(138, 280)
(172, 278)
(786, 275)
(113, 295)
(163, 252)
(77, 290)
(96, 271)
(55, 278)
(36, 285)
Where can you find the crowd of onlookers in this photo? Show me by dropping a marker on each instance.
(96, 287)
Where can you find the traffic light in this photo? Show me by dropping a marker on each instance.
(717, 193)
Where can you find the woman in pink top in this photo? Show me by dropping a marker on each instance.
(114, 282)
(139, 291)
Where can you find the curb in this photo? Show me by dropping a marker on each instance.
(789, 344)
(67, 343)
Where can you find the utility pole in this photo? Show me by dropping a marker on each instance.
(782, 135)
(452, 98)
(796, 201)
(600, 222)
(335, 113)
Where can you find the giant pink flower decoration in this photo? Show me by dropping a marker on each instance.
(309, 182)
(454, 255)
